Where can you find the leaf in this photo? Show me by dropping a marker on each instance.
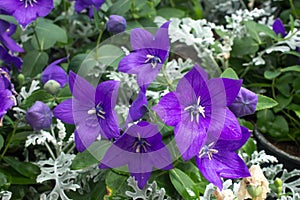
(183, 184)
(120, 7)
(265, 102)
(117, 183)
(271, 74)
(34, 62)
(249, 147)
(1, 142)
(25, 168)
(48, 34)
(167, 13)
(229, 73)
(295, 68)
(255, 28)
(9, 19)
(244, 46)
(39, 95)
(91, 155)
(108, 54)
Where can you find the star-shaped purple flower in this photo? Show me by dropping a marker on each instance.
(26, 11)
(197, 107)
(91, 110)
(141, 148)
(55, 72)
(148, 56)
(80, 5)
(216, 160)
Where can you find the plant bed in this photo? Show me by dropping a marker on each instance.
(282, 151)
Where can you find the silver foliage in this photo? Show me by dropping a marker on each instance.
(150, 191)
(290, 181)
(58, 170)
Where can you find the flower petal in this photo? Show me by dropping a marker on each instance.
(81, 89)
(63, 111)
(234, 144)
(138, 107)
(147, 74)
(168, 109)
(141, 39)
(133, 62)
(231, 130)
(209, 169)
(141, 178)
(162, 37)
(85, 136)
(55, 72)
(189, 138)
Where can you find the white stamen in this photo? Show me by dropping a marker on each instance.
(196, 109)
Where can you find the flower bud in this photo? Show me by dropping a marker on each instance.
(39, 116)
(116, 24)
(52, 86)
(245, 103)
(254, 191)
(21, 79)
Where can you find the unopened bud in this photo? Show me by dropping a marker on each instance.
(254, 191)
(52, 86)
(21, 79)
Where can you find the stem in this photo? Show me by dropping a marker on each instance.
(273, 88)
(10, 137)
(37, 38)
(50, 150)
(293, 8)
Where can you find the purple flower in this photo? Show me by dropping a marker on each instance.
(197, 107)
(91, 110)
(26, 11)
(116, 24)
(141, 148)
(278, 28)
(8, 100)
(9, 59)
(6, 31)
(148, 56)
(39, 116)
(55, 72)
(245, 103)
(80, 5)
(216, 160)
(5, 80)
(138, 107)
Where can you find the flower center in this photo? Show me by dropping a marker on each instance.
(195, 110)
(153, 60)
(207, 150)
(29, 2)
(98, 110)
(140, 143)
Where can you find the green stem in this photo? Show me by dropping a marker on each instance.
(50, 150)
(273, 88)
(10, 138)
(293, 8)
(37, 38)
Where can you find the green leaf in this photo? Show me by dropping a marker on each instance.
(77, 61)
(183, 184)
(25, 168)
(280, 128)
(9, 19)
(271, 74)
(249, 147)
(167, 13)
(255, 28)
(117, 183)
(48, 34)
(244, 46)
(265, 102)
(1, 141)
(39, 95)
(229, 73)
(91, 155)
(120, 7)
(108, 54)
(3, 180)
(34, 62)
(295, 68)
(283, 102)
